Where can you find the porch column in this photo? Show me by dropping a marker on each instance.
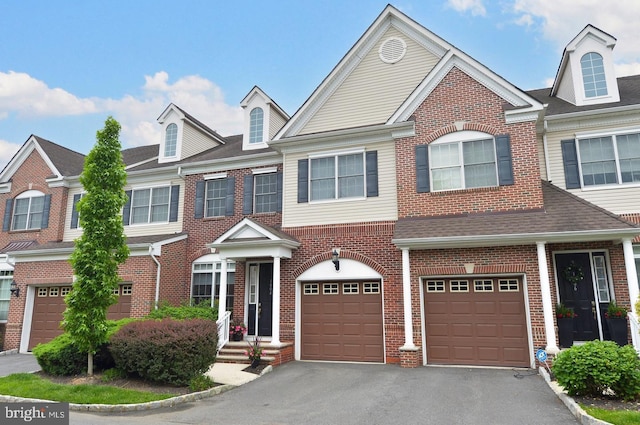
(406, 301)
(275, 313)
(547, 305)
(632, 276)
(222, 299)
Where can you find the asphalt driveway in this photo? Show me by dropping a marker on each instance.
(339, 393)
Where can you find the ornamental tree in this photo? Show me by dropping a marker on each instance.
(102, 246)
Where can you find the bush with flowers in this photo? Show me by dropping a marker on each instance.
(237, 329)
(254, 352)
(615, 312)
(564, 312)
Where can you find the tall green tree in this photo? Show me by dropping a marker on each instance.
(102, 246)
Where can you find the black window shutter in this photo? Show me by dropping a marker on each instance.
(372, 173)
(126, 211)
(231, 195)
(199, 205)
(173, 203)
(279, 192)
(6, 223)
(422, 168)
(74, 210)
(505, 165)
(45, 212)
(303, 181)
(570, 160)
(247, 195)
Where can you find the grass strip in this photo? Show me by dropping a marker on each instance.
(29, 385)
(615, 417)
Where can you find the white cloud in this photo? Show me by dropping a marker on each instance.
(474, 6)
(27, 96)
(7, 150)
(561, 20)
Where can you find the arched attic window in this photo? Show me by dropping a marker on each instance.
(593, 78)
(256, 117)
(171, 140)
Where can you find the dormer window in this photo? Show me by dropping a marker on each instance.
(256, 118)
(593, 76)
(171, 140)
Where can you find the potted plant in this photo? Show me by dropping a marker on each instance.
(254, 352)
(564, 316)
(617, 323)
(237, 329)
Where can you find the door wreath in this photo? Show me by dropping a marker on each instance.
(573, 274)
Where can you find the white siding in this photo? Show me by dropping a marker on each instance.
(194, 141)
(380, 208)
(275, 123)
(619, 199)
(566, 90)
(138, 230)
(374, 89)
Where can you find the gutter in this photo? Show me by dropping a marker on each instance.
(153, 257)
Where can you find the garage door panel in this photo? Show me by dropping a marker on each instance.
(48, 308)
(349, 328)
(487, 327)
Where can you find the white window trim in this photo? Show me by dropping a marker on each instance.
(149, 222)
(264, 170)
(336, 154)
(161, 157)
(216, 262)
(461, 137)
(254, 195)
(218, 177)
(164, 147)
(613, 134)
(27, 194)
(215, 176)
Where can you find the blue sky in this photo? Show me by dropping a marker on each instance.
(66, 65)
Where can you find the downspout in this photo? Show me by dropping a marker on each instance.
(545, 149)
(153, 257)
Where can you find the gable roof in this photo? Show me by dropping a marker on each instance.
(551, 224)
(589, 30)
(191, 119)
(258, 91)
(448, 56)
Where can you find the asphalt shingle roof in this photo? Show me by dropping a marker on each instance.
(563, 212)
(68, 162)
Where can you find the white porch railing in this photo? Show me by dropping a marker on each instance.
(635, 331)
(223, 329)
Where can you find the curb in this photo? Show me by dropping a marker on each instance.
(573, 407)
(116, 408)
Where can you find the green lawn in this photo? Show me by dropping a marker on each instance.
(29, 385)
(615, 417)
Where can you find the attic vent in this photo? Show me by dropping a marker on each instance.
(392, 50)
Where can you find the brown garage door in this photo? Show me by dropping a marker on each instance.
(49, 305)
(342, 321)
(476, 322)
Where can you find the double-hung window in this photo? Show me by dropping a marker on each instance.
(337, 177)
(206, 281)
(463, 164)
(150, 205)
(28, 210)
(215, 202)
(611, 159)
(266, 193)
(6, 277)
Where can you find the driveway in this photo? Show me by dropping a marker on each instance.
(340, 393)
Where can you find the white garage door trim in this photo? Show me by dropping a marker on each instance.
(525, 290)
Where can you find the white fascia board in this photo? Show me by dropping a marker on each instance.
(141, 162)
(234, 163)
(346, 137)
(156, 247)
(390, 16)
(5, 187)
(156, 174)
(23, 153)
(514, 239)
(457, 59)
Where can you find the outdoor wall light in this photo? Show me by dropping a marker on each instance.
(336, 262)
(14, 289)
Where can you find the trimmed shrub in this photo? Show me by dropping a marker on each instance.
(185, 311)
(201, 383)
(599, 367)
(61, 356)
(166, 351)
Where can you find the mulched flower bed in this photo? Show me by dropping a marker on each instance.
(608, 403)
